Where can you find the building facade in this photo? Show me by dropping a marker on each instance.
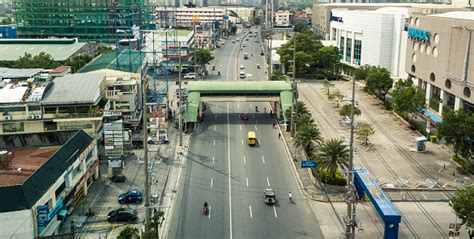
(188, 17)
(376, 38)
(440, 59)
(282, 18)
(42, 177)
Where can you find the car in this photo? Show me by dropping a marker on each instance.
(246, 39)
(256, 40)
(242, 75)
(132, 196)
(190, 76)
(245, 116)
(237, 39)
(122, 215)
(242, 67)
(119, 178)
(233, 41)
(243, 45)
(269, 196)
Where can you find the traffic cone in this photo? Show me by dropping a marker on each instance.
(375, 219)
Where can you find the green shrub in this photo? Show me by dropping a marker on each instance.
(327, 178)
(465, 165)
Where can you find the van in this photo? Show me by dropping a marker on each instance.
(251, 138)
(242, 75)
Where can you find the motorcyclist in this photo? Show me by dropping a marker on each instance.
(213, 67)
(258, 66)
(290, 196)
(218, 72)
(205, 207)
(256, 108)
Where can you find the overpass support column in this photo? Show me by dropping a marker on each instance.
(201, 105)
(278, 110)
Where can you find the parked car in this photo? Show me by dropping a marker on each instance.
(122, 215)
(242, 67)
(132, 196)
(137, 143)
(190, 76)
(119, 178)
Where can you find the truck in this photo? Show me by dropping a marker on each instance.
(246, 56)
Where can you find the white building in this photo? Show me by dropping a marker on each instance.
(39, 185)
(188, 17)
(282, 18)
(376, 38)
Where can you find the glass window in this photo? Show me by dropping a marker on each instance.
(348, 49)
(334, 31)
(357, 51)
(341, 47)
(13, 127)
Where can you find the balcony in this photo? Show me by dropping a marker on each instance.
(92, 116)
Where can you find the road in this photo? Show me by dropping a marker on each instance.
(231, 176)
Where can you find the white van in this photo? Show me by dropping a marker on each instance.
(242, 75)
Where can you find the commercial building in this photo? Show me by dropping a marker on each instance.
(376, 38)
(42, 177)
(282, 18)
(84, 19)
(188, 17)
(440, 58)
(59, 49)
(322, 12)
(122, 95)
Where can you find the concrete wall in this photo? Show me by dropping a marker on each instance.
(17, 225)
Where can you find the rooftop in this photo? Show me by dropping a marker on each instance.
(109, 60)
(462, 15)
(12, 73)
(81, 88)
(413, 5)
(28, 160)
(13, 93)
(59, 49)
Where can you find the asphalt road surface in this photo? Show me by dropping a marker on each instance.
(230, 175)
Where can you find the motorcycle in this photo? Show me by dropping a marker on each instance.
(256, 108)
(218, 73)
(205, 208)
(213, 68)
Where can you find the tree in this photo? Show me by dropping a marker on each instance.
(327, 84)
(42, 60)
(326, 57)
(378, 82)
(129, 233)
(303, 120)
(307, 44)
(457, 128)
(336, 95)
(463, 205)
(257, 20)
(203, 56)
(361, 73)
(104, 49)
(278, 76)
(301, 28)
(406, 98)
(346, 110)
(78, 61)
(306, 136)
(301, 110)
(151, 231)
(364, 131)
(334, 154)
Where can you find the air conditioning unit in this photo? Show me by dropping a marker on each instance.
(7, 117)
(31, 117)
(38, 116)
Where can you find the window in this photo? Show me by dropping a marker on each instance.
(341, 47)
(13, 127)
(357, 51)
(348, 49)
(334, 31)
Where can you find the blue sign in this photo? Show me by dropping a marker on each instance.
(308, 164)
(42, 211)
(335, 18)
(418, 35)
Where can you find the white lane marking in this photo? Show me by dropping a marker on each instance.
(215, 127)
(256, 128)
(238, 105)
(241, 128)
(245, 161)
(253, 116)
(263, 159)
(259, 142)
(247, 181)
(215, 116)
(268, 182)
(250, 209)
(229, 172)
(275, 211)
(242, 142)
(212, 181)
(212, 159)
(214, 142)
(209, 214)
(217, 107)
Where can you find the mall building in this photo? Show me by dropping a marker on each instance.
(440, 58)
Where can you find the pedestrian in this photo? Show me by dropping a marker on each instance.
(279, 135)
(273, 124)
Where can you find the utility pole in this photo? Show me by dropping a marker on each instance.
(145, 154)
(294, 112)
(351, 198)
(180, 107)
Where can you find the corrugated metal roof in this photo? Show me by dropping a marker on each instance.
(11, 73)
(59, 50)
(191, 113)
(463, 15)
(240, 86)
(81, 88)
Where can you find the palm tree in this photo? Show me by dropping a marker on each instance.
(307, 135)
(333, 154)
(304, 120)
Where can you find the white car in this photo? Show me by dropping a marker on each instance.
(242, 75)
(190, 76)
(242, 67)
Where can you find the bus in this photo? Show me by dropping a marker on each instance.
(251, 138)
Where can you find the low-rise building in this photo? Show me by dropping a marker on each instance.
(122, 94)
(188, 17)
(42, 177)
(19, 74)
(438, 58)
(282, 18)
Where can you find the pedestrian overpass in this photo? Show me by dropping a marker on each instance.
(279, 93)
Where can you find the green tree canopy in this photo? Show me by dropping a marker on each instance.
(362, 72)
(42, 60)
(326, 57)
(78, 61)
(327, 84)
(406, 98)
(345, 110)
(364, 131)
(129, 233)
(104, 49)
(301, 28)
(307, 44)
(457, 129)
(306, 136)
(203, 56)
(151, 231)
(277, 76)
(334, 154)
(378, 82)
(463, 205)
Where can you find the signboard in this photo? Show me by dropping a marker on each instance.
(42, 211)
(418, 35)
(308, 164)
